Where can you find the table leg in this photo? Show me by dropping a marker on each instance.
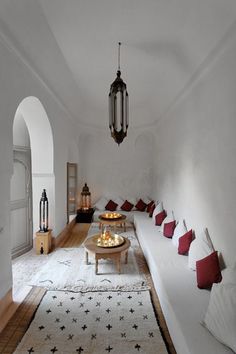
(124, 226)
(126, 257)
(86, 257)
(96, 265)
(118, 265)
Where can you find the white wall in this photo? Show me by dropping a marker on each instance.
(17, 82)
(112, 170)
(20, 132)
(196, 152)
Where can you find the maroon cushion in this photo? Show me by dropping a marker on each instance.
(127, 206)
(185, 242)
(111, 205)
(169, 228)
(160, 217)
(153, 206)
(141, 206)
(208, 271)
(149, 206)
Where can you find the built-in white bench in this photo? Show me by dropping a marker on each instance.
(183, 304)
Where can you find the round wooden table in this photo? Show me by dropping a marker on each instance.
(112, 222)
(113, 253)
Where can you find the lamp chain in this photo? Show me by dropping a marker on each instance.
(119, 43)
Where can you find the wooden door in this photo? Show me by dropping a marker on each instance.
(21, 203)
(71, 189)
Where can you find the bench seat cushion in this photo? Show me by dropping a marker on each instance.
(183, 304)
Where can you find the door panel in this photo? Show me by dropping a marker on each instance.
(21, 201)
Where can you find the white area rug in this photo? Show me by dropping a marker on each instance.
(25, 267)
(66, 270)
(94, 322)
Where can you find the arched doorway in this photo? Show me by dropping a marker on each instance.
(32, 163)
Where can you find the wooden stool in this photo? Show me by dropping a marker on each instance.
(43, 242)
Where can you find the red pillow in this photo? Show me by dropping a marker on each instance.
(141, 206)
(185, 242)
(149, 206)
(160, 217)
(111, 205)
(169, 228)
(208, 271)
(153, 206)
(127, 206)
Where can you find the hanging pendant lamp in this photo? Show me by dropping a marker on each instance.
(118, 106)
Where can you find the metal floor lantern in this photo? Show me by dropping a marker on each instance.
(118, 106)
(85, 198)
(43, 212)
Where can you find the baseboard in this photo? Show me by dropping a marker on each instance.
(64, 234)
(7, 309)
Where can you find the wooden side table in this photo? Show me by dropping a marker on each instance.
(43, 242)
(112, 222)
(84, 216)
(113, 253)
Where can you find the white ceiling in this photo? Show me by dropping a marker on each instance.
(72, 45)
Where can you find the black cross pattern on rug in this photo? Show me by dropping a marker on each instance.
(138, 347)
(109, 349)
(85, 322)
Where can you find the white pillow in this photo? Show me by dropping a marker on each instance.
(169, 218)
(220, 318)
(200, 247)
(180, 230)
(119, 201)
(229, 275)
(101, 203)
(157, 210)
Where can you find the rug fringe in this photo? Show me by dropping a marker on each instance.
(84, 289)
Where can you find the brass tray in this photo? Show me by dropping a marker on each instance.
(114, 241)
(111, 216)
